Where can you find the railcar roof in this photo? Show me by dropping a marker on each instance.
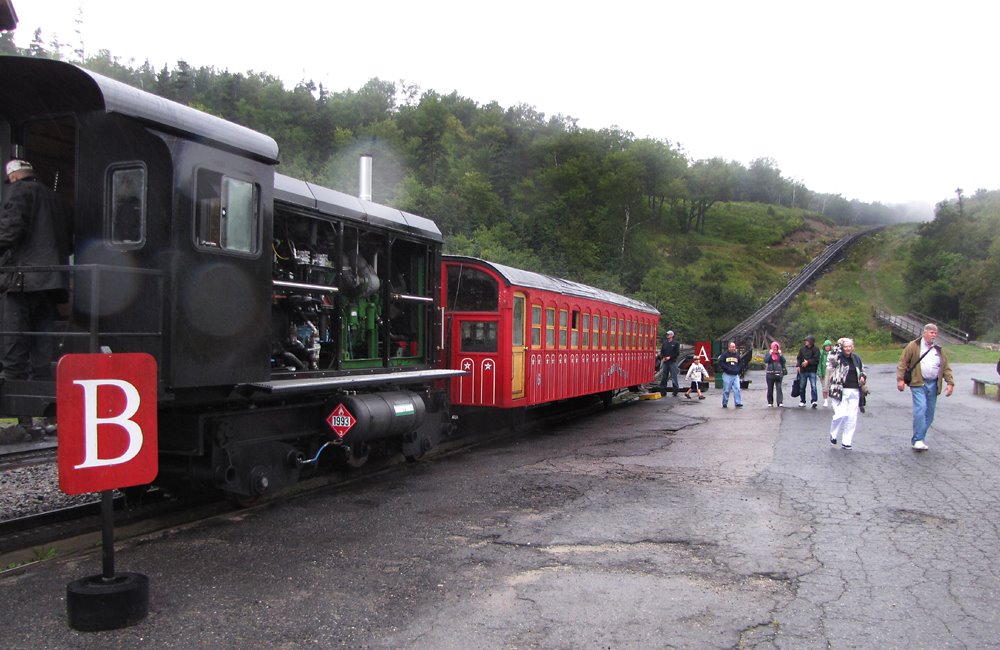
(522, 278)
(341, 205)
(57, 87)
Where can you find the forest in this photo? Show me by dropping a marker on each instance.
(633, 215)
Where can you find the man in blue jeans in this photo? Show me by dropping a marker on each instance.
(730, 365)
(808, 363)
(928, 366)
(669, 352)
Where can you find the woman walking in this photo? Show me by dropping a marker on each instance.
(774, 371)
(847, 376)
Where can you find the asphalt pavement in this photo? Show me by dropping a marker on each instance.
(668, 523)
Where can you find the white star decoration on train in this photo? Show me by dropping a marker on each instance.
(467, 366)
(487, 366)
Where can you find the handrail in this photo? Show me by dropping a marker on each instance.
(954, 331)
(93, 332)
(782, 297)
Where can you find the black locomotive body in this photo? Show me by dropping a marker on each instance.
(268, 302)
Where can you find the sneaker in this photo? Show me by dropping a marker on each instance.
(739, 406)
(826, 403)
(802, 405)
(920, 445)
(814, 404)
(833, 441)
(725, 406)
(770, 405)
(848, 447)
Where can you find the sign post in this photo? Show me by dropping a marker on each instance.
(106, 408)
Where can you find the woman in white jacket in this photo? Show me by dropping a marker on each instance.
(695, 374)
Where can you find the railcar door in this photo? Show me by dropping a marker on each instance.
(517, 348)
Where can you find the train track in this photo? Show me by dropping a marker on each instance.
(72, 529)
(26, 457)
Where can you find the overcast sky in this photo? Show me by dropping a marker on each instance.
(878, 100)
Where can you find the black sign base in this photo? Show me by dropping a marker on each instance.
(97, 603)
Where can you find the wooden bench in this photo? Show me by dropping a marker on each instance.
(979, 386)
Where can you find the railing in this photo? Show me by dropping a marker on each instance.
(90, 314)
(953, 331)
(781, 299)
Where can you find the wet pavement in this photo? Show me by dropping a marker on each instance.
(665, 523)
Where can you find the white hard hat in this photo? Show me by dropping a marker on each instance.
(18, 165)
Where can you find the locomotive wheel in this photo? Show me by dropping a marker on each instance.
(94, 604)
(357, 455)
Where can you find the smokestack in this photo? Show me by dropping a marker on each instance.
(365, 177)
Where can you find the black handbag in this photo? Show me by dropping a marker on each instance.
(795, 386)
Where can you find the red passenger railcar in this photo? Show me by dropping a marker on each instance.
(527, 339)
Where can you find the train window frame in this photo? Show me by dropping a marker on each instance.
(214, 216)
(550, 328)
(536, 326)
(574, 336)
(622, 340)
(120, 196)
(615, 340)
(471, 289)
(604, 332)
(563, 327)
(586, 331)
(482, 336)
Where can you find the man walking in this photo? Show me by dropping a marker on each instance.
(730, 364)
(922, 366)
(808, 362)
(669, 352)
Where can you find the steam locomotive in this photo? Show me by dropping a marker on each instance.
(285, 318)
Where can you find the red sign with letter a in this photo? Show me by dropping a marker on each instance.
(106, 407)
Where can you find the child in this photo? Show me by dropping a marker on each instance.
(695, 374)
(824, 359)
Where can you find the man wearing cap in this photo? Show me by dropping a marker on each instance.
(33, 232)
(808, 362)
(669, 352)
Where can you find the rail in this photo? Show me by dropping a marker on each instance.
(953, 331)
(85, 314)
(784, 296)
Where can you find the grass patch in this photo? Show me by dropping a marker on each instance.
(956, 354)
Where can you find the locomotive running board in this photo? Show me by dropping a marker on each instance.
(279, 386)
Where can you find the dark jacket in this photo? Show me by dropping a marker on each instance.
(730, 362)
(777, 367)
(670, 349)
(33, 232)
(810, 354)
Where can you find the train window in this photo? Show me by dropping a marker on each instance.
(471, 289)
(614, 334)
(536, 326)
(604, 332)
(227, 213)
(126, 204)
(621, 333)
(550, 327)
(517, 322)
(479, 336)
(586, 331)
(563, 323)
(574, 341)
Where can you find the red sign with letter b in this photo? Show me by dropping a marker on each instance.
(106, 407)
